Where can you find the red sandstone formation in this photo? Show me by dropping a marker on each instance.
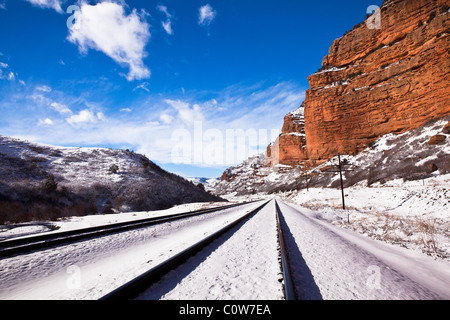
(373, 82)
(290, 146)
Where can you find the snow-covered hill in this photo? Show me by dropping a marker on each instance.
(41, 181)
(208, 183)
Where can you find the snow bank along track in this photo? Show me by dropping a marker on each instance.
(136, 286)
(24, 245)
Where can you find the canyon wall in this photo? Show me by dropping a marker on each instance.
(374, 81)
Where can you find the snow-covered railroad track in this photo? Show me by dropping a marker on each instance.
(27, 244)
(138, 285)
(332, 263)
(91, 268)
(288, 285)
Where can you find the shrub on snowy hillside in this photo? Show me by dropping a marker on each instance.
(43, 183)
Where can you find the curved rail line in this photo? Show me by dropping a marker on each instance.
(138, 285)
(24, 245)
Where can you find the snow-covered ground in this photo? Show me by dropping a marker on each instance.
(245, 266)
(339, 264)
(328, 261)
(11, 231)
(411, 214)
(414, 214)
(90, 269)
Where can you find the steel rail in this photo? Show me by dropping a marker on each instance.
(133, 288)
(23, 245)
(289, 291)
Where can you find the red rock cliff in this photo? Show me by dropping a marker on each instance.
(374, 82)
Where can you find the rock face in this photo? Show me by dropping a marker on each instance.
(290, 147)
(373, 82)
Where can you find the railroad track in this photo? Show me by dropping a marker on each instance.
(25, 245)
(288, 285)
(133, 288)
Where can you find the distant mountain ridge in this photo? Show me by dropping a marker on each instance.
(208, 183)
(40, 182)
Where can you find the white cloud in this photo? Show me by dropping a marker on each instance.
(187, 114)
(143, 86)
(164, 10)
(60, 108)
(125, 110)
(85, 116)
(46, 122)
(105, 27)
(2, 4)
(43, 88)
(6, 74)
(51, 4)
(167, 25)
(206, 15)
(101, 116)
(166, 118)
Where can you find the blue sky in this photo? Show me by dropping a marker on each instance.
(181, 81)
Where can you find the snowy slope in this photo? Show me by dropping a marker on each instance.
(208, 183)
(86, 180)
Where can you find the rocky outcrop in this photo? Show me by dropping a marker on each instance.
(290, 147)
(373, 82)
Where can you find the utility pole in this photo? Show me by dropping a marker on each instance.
(340, 170)
(306, 175)
(306, 180)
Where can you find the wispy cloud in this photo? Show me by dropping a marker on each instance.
(167, 24)
(43, 88)
(186, 112)
(50, 4)
(85, 116)
(206, 15)
(46, 122)
(143, 86)
(7, 74)
(61, 108)
(154, 126)
(93, 29)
